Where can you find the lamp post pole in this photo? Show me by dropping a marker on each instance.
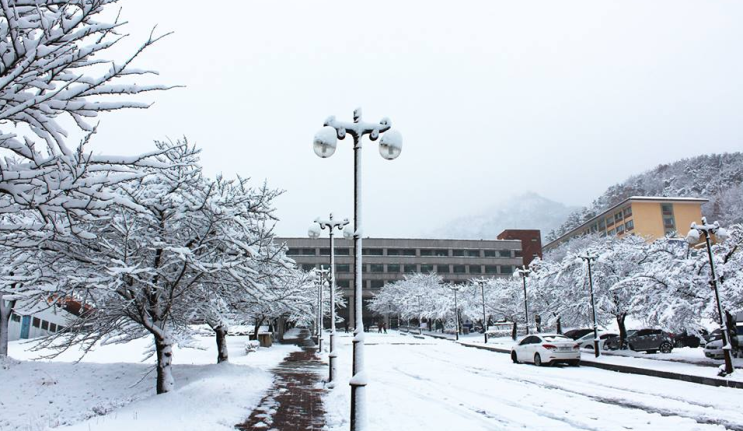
(420, 314)
(331, 225)
(390, 146)
(590, 258)
(523, 272)
(456, 311)
(322, 274)
(481, 283)
(707, 230)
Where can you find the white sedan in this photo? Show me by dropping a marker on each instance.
(586, 341)
(546, 349)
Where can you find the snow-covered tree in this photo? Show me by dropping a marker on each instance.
(144, 265)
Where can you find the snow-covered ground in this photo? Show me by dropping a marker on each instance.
(112, 389)
(431, 384)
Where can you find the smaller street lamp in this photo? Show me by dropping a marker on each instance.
(314, 232)
(420, 314)
(693, 237)
(480, 282)
(321, 275)
(590, 258)
(523, 273)
(455, 289)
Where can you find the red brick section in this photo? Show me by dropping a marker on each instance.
(295, 401)
(531, 242)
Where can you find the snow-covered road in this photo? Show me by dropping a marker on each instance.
(428, 384)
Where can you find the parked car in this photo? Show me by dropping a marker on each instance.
(713, 349)
(546, 349)
(586, 341)
(577, 333)
(686, 339)
(648, 340)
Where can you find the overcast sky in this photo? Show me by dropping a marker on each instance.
(493, 99)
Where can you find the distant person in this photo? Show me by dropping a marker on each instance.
(345, 325)
(384, 327)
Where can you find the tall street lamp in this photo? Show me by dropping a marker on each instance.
(721, 234)
(314, 232)
(455, 289)
(390, 146)
(481, 283)
(523, 273)
(590, 258)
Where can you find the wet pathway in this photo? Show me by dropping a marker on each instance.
(294, 401)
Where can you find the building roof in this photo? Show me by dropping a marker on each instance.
(624, 202)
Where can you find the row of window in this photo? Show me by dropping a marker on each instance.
(378, 284)
(39, 323)
(407, 252)
(629, 226)
(423, 268)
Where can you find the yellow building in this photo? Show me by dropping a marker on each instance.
(648, 217)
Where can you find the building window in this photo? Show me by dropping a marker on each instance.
(324, 252)
(620, 229)
(345, 268)
(426, 252)
(364, 268)
(409, 269)
(627, 212)
(475, 269)
(376, 284)
(441, 252)
(400, 252)
(343, 283)
(457, 253)
(342, 251)
(491, 269)
(308, 266)
(669, 222)
(442, 269)
(504, 253)
(44, 325)
(612, 232)
(393, 268)
(488, 253)
(602, 225)
(609, 222)
(372, 251)
(629, 225)
(301, 252)
(52, 327)
(465, 253)
(667, 209)
(376, 267)
(517, 253)
(425, 269)
(618, 216)
(36, 322)
(506, 269)
(15, 318)
(459, 269)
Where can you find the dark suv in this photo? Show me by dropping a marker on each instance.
(648, 340)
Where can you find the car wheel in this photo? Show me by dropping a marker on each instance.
(537, 360)
(631, 347)
(575, 363)
(605, 346)
(514, 358)
(666, 347)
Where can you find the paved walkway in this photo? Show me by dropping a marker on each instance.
(294, 401)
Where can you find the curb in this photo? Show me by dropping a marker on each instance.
(709, 381)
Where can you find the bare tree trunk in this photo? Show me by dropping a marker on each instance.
(559, 325)
(258, 323)
(5, 310)
(222, 355)
(514, 332)
(164, 349)
(622, 328)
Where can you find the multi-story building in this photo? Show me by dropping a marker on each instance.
(648, 217)
(531, 242)
(386, 260)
